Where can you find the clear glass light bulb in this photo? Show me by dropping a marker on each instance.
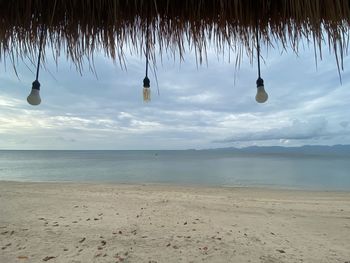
(261, 95)
(34, 96)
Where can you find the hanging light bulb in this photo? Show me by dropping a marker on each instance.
(34, 96)
(146, 90)
(146, 81)
(261, 95)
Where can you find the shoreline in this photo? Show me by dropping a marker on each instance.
(88, 222)
(180, 186)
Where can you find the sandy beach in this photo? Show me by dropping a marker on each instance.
(70, 222)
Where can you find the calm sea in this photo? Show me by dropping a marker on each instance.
(209, 168)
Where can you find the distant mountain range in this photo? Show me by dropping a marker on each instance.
(306, 149)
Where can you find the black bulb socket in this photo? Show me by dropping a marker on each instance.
(259, 82)
(146, 82)
(36, 85)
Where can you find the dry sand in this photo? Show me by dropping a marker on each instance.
(66, 222)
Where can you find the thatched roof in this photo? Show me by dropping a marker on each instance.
(80, 27)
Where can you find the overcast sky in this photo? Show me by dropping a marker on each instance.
(202, 107)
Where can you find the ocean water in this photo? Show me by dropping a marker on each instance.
(209, 168)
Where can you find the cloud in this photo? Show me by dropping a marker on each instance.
(298, 130)
(205, 97)
(64, 140)
(6, 101)
(196, 105)
(344, 124)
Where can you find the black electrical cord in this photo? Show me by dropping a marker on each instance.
(146, 81)
(258, 50)
(147, 48)
(40, 51)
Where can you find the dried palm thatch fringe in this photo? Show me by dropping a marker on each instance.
(79, 28)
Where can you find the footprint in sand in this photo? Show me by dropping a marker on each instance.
(6, 246)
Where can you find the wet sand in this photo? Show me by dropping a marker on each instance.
(70, 222)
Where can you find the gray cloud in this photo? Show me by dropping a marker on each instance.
(63, 139)
(196, 106)
(344, 124)
(298, 130)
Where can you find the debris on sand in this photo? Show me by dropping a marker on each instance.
(47, 258)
